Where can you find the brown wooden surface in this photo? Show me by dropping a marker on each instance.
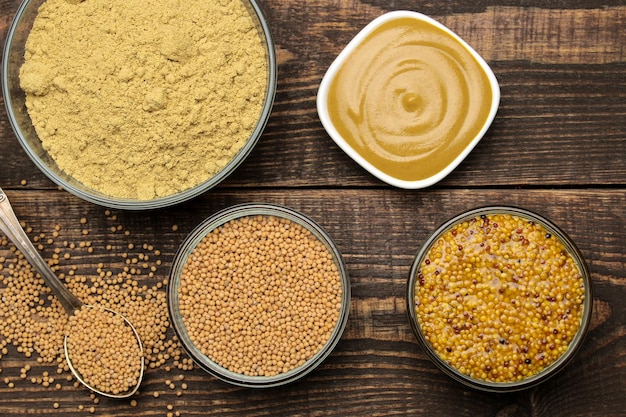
(557, 146)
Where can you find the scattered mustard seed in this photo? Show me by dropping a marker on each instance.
(29, 303)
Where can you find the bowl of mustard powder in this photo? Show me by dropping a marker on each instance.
(137, 104)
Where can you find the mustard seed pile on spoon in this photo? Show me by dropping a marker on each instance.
(104, 351)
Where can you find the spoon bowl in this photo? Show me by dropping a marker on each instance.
(79, 376)
(11, 227)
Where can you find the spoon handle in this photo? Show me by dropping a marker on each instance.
(13, 230)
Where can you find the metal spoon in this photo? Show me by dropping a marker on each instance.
(13, 230)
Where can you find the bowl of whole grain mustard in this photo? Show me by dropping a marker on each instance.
(258, 295)
(137, 104)
(499, 298)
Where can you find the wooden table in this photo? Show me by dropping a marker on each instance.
(557, 147)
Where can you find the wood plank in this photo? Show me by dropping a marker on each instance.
(377, 368)
(560, 121)
(557, 126)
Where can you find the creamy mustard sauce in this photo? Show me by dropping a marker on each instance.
(409, 99)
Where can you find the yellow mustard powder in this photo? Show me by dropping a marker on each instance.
(142, 99)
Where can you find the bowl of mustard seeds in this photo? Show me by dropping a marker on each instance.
(138, 105)
(258, 295)
(499, 298)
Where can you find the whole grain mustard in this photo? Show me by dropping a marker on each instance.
(499, 298)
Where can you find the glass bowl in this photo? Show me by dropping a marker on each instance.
(482, 316)
(179, 273)
(14, 97)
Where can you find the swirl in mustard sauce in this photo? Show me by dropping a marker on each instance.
(410, 98)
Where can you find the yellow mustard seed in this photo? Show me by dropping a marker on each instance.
(33, 320)
(104, 350)
(499, 298)
(260, 295)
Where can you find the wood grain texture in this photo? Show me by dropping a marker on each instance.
(545, 133)
(557, 147)
(377, 368)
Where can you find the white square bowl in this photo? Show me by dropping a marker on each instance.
(419, 63)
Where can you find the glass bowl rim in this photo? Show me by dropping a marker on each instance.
(218, 219)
